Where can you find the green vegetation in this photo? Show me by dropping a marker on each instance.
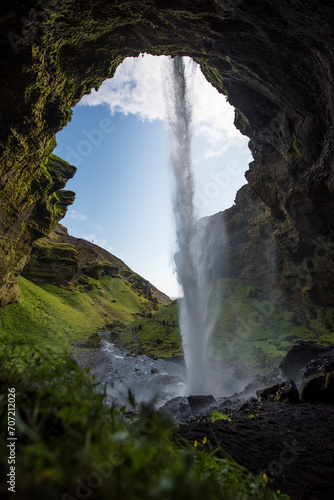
(69, 441)
(70, 444)
(254, 329)
(54, 317)
(257, 329)
(158, 335)
(216, 415)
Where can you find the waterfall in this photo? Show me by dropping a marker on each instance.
(198, 310)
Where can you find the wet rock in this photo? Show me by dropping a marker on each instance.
(154, 370)
(94, 341)
(200, 403)
(322, 364)
(285, 392)
(318, 388)
(298, 357)
(178, 407)
(269, 393)
(114, 336)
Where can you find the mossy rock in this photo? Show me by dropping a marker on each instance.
(94, 341)
(319, 388)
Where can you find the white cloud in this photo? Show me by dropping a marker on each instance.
(138, 88)
(73, 214)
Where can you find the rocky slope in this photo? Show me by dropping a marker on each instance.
(62, 260)
(71, 289)
(272, 59)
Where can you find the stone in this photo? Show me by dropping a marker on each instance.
(200, 403)
(286, 392)
(318, 388)
(177, 408)
(298, 357)
(269, 393)
(114, 336)
(94, 341)
(323, 363)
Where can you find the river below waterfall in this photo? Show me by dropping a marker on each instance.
(117, 370)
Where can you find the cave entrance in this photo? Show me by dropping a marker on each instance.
(118, 139)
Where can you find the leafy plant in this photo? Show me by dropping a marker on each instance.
(70, 444)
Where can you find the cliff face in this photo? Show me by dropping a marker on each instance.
(62, 260)
(274, 60)
(274, 255)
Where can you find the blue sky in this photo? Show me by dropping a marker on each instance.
(118, 139)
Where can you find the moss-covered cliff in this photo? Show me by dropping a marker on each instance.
(272, 59)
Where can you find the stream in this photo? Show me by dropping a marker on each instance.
(118, 370)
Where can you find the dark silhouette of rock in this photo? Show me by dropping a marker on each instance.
(286, 392)
(113, 336)
(269, 393)
(298, 357)
(177, 408)
(94, 341)
(318, 388)
(323, 363)
(200, 403)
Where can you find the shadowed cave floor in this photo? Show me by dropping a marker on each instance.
(292, 444)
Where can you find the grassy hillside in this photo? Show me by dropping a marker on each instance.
(69, 442)
(53, 318)
(158, 335)
(253, 328)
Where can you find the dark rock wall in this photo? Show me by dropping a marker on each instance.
(273, 59)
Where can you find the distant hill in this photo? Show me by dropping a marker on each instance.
(70, 289)
(62, 260)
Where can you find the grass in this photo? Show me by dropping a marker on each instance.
(48, 316)
(253, 328)
(258, 329)
(70, 445)
(158, 335)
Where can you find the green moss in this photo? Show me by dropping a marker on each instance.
(158, 335)
(258, 329)
(253, 329)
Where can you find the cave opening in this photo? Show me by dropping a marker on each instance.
(118, 139)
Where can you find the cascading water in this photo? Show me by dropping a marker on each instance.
(198, 309)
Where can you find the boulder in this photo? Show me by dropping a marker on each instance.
(322, 364)
(94, 341)
(177, 408)
(269, 393)
(318, 388)
(200, 403)
(286, 392)
(299, 355)
(114, 336)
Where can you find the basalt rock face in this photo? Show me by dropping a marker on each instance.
(272, 59)
(273, 254)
